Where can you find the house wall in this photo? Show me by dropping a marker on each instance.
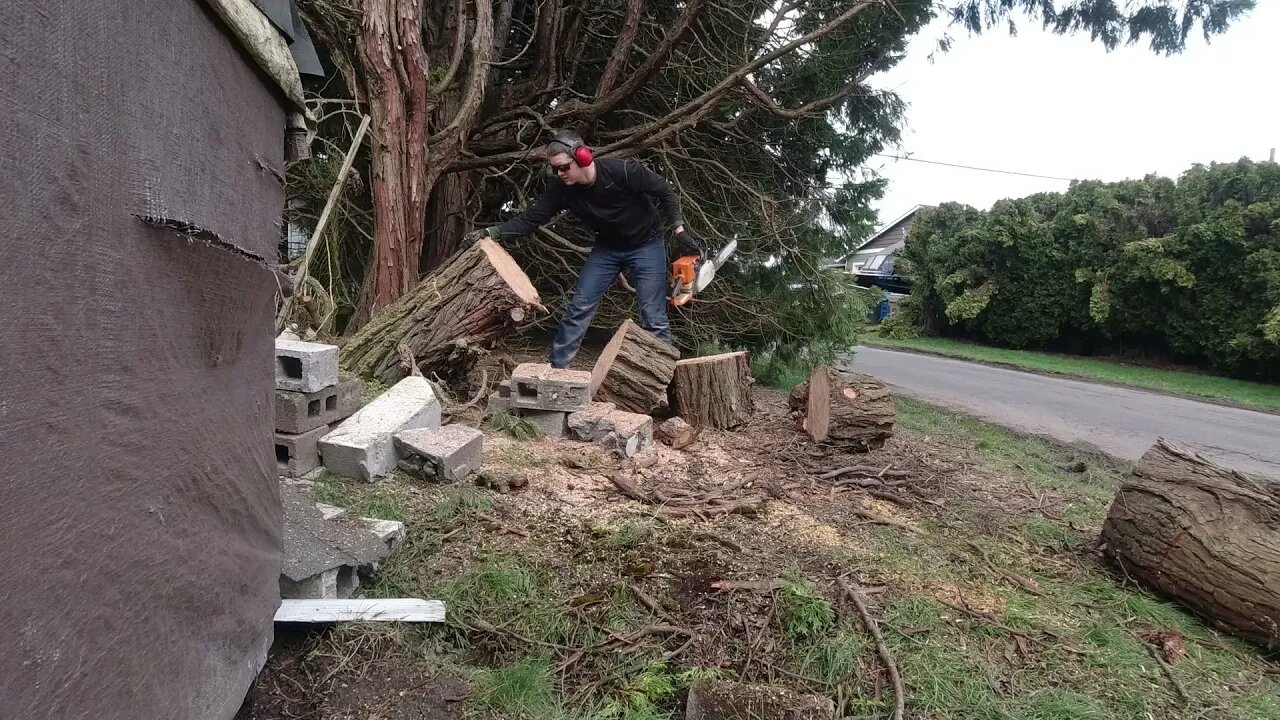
(139, 510)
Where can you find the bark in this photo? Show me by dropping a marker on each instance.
(713, 391)
(390, 48)
(468, 305)
(635, 371)
(844, 409)
(1204, 534)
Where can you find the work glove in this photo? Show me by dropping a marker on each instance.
(474, 236)
(687, 244)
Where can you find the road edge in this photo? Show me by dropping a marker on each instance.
(1074, 376)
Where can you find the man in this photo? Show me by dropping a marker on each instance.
(611, 196)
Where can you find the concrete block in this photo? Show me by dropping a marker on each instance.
(449, 453)
(391, 532)
(591, 424)
(550, 423)
(362, 447)
(299, 454)
(500, 399)
(298, 412)
(305, 367)
(603, 423)
(538, 386)
(631, 433)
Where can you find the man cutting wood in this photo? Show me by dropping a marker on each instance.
(612, 197)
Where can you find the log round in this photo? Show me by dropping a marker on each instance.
(844, 409)
(1203, 534)
(635, 371)
(469, 303)
(713, 391)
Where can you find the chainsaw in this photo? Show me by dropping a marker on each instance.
(691, 274)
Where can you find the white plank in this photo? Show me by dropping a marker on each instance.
(361, 610)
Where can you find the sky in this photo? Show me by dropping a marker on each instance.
(1063, 106)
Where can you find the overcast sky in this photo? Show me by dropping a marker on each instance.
(1063, 106)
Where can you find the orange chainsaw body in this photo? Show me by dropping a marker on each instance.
(683, 272)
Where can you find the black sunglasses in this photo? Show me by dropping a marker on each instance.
(561, 168)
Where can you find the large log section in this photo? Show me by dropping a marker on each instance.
(1206, 535)
(713, 391)
(845, 409)
(469, 303)
(634, 371)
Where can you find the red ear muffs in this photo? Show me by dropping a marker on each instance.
(580, 153)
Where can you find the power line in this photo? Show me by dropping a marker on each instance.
(972, 167)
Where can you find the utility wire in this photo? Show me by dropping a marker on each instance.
(972, 167)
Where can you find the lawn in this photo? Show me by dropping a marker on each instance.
(565, 604)
(1241, 392)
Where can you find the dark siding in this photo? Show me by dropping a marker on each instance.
(138, 502)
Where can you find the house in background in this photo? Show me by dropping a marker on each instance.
(873, 261)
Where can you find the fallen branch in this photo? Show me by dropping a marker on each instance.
(500, 525)
(643, 598)
(881, 648)
(869, 516)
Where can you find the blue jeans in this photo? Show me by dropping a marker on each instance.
(648, 266)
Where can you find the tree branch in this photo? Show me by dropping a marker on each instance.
(622, 49)
(455, 61)
(809, 108)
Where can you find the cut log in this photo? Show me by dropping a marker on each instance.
(1203, 534)
(713, 391)
(844, 409)
(468, 304)
(634, 371)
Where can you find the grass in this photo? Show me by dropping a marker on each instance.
(1242, 392)
(1077, 652)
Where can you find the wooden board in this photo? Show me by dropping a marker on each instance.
(634, 372)
(713, 391)
(360, 610)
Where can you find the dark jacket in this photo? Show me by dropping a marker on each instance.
(616, 206)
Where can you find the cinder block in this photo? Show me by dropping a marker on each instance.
(450, 453)
(299, 412)
(550, 423)
(362, 447)
(591, 424)
(631, 433)
(538, 386)
(305, 367)
(333, 584)
(299, 454)
(604, 424)
(500, 399)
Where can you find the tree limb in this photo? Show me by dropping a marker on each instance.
(622, 49)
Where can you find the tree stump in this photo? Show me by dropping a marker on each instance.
(634, 371)
(1206, 535)
(713, 391)
(844, 409)
(468, 304)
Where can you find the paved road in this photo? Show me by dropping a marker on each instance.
(1119, 421)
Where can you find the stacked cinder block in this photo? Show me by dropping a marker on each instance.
(544, 396)
(326, 549)
(309, 398)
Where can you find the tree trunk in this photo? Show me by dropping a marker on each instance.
(1206, 535)
(713, 391)
(844, 409)
(395, 75)
(634, 372)
(470, 303)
